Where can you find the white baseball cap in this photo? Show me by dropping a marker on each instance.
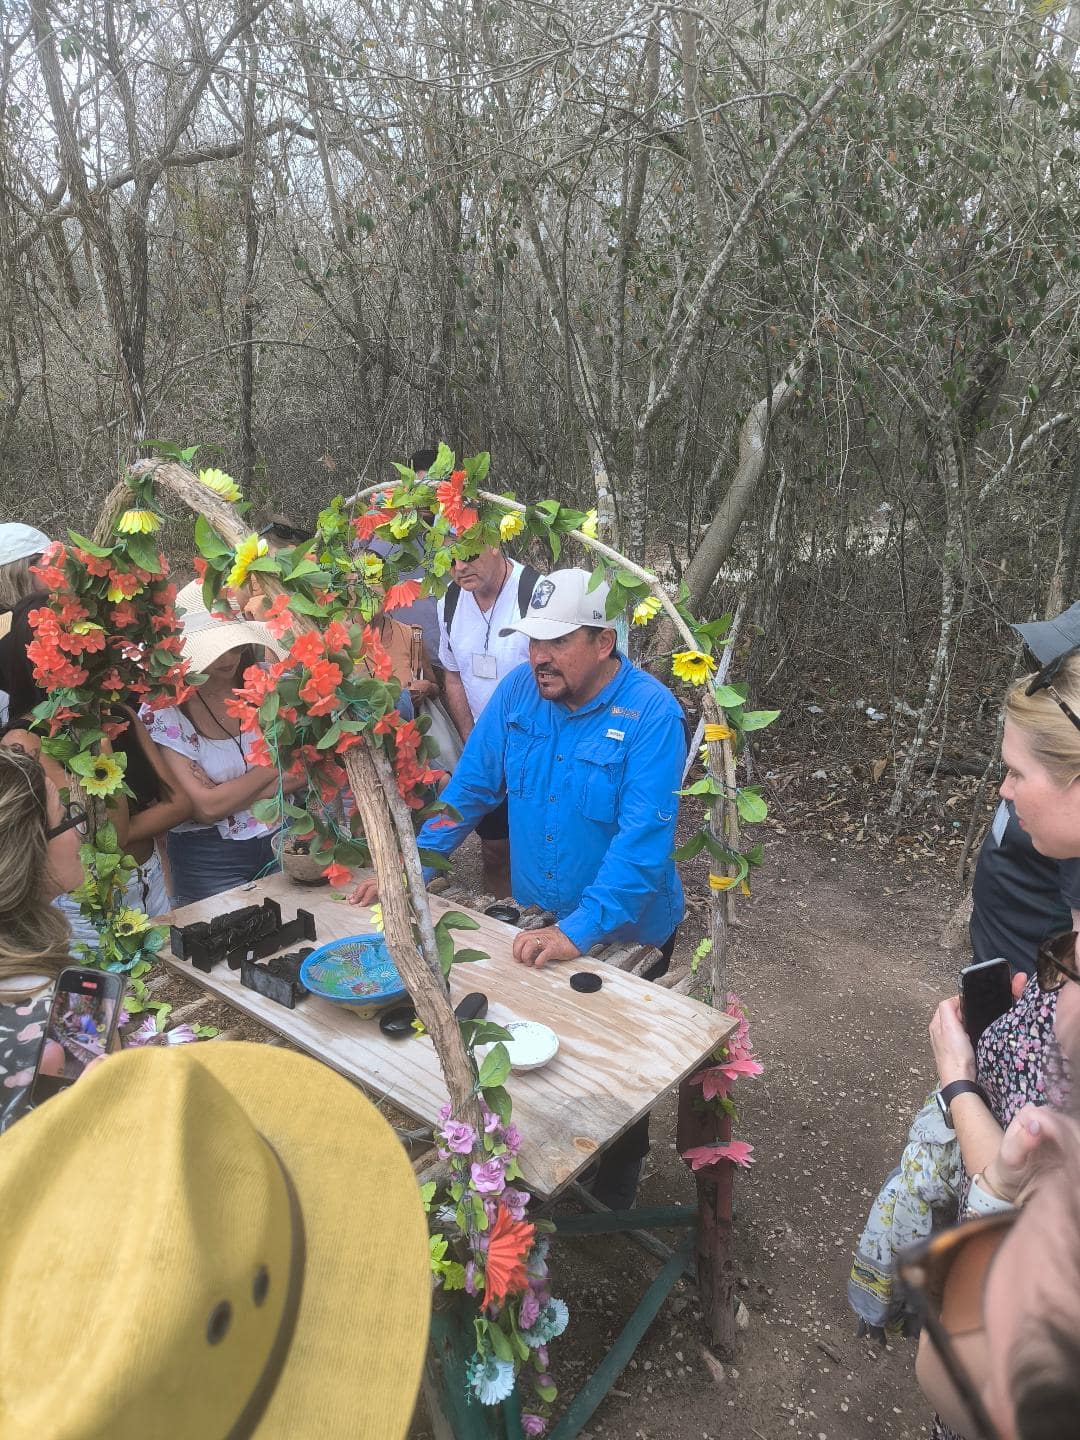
(562, 602)
(18, 541)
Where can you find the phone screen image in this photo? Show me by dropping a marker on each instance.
(78, 1030)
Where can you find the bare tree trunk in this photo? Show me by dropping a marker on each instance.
(951, 563)
(717, 541)
(247, 288)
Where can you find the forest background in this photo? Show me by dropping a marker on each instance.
(787, 291)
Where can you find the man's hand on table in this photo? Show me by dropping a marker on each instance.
(366, 893)
(537, 947)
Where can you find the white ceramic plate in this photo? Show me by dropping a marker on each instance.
(533, 1045)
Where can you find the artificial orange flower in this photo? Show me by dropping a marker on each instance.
(338, 875)
(508, 1246)
(306, 649)
(382, 666)
(402, 594)
(336, 636)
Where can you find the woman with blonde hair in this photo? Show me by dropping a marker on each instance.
(21, 547)
(39, 860)
(1019, 1060)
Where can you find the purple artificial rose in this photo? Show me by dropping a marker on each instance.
(512, 1138)
(530, 1310)
(533, 1424)
(459, 1137)
(487, 1178)
(445, 1111)
(515, 1202)
(491, 1122)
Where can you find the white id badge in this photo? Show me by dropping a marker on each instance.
(484, 666)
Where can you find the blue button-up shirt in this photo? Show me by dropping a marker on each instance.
(592, 803)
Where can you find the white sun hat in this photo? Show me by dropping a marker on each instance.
(207, 637)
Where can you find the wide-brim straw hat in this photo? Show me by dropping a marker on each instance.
(209, 636)
(210, 1241)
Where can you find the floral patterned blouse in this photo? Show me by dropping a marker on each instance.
(1018, 1062)
(219, 759)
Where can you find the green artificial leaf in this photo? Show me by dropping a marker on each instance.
(443, 463)
(755, 855)
(693, 846)
(482, 1032)
(455, 920)
(497, 1100)
(332, 736)
(730, 697)
(707, 785)
(144, 551)
(757, 719)
(495, 1067)
(752, 808)
(501, 1344)
(467, 957)
(427, 1194)
(598, 576)
(100, 552)
(266, 810)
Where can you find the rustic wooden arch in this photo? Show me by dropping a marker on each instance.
(386, 819)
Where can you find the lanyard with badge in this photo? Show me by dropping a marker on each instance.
(485, 666)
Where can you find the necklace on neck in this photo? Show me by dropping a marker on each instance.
(488, 615)
(225, 731)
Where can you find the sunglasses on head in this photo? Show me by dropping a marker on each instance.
(75, 818)
(944, 1278)
(1055, 962)
(1044, 680)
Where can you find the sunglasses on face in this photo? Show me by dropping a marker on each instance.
(75, 818)
(944, 1279)
(1055, 962)
(1044, 680)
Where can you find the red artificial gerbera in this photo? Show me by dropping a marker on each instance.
(508, 1246)
(402, 594)
(450, 495)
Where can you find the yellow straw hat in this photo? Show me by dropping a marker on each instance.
(209, 636)
(209, 1242)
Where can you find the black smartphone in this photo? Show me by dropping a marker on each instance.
(81, 1024)
(985, 994)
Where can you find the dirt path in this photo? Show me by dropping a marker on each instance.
(840, 980)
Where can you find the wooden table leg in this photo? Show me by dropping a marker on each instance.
(714, 1253)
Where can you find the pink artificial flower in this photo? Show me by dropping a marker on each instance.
(739, 1152)
(516, 1202)
(487, 1178)
(512, 1138)
(472, 1287)
(459, 1137)
(533, 1424)
(530, 1310)
(491, 1122)
(716, 1082)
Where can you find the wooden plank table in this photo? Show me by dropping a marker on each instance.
(620, 1048)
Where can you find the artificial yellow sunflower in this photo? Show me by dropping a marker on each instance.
(589, 524)
(131, 922)
(692, 665)
(138, 522)
(221, 484)
(510, 525)
(645, 609)
(247, 552)
(721, 882)
(105, 777)
(718, 732)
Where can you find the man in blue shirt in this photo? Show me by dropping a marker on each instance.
(588, 751)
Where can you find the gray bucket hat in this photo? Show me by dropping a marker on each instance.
(1047, 639)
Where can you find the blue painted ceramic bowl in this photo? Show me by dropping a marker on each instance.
(357, 972)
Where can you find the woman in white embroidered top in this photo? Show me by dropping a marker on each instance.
(223, 844)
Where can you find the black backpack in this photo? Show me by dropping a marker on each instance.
(526, 584)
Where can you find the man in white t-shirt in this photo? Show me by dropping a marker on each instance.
(489, 592)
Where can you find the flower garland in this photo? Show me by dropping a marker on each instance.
(732, 1060)
(505, 1267)
(107, 630)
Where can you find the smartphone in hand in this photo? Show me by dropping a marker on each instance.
(985, 994)
(82, 1022)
